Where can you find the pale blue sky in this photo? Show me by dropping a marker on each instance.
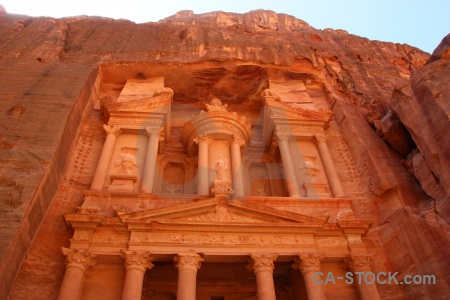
(422, 24)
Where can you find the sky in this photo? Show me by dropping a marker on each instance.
(419, 23)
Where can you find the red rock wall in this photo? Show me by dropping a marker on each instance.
(47, 79)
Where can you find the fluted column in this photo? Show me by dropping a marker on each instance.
(360, 264)
(187, 264)
(105, 157)
(288, 165)
(148, 177)
(309, 265)
(236, 165)
(262, 266)
(77, 261)
(203, 165)
(330, 170)
(136, 263)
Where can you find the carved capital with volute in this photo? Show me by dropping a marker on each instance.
(139, 260)
(308, 262)
(238, 140)
(111, 129)
(321, 138)
(191, 261)
(262, 263)
(79, 258)
(283, 136)
(359, 262)
(202, 138)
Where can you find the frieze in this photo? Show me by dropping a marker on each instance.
(220, 239)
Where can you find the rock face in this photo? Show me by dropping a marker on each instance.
(388, 137)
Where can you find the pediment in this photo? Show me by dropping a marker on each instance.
(219, 210)
(283, 110)
(160, 101)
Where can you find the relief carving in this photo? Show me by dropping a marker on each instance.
(221, 239)
(216, 105)
(270, 93)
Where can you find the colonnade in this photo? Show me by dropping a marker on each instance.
(203, 183)
(203, 165)
(137, 262)
(148, 178)
(288, 165)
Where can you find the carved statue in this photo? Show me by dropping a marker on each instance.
(260, 189)
(172, 189)
(270, 93)
(222, 169)
(127, 163)
(216, 105)
(308, 168)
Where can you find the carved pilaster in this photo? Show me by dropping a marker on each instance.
(191, 261)
(262, 263)
(137, 260)
(79, 258)
(308, 263)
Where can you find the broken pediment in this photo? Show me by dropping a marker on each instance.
(219, 210)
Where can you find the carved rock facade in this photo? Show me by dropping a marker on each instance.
(227, 156)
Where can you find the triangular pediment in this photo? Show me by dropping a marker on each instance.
(159, 101)
(219, 210)
(284, 110)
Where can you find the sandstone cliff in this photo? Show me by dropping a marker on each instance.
(390, 106)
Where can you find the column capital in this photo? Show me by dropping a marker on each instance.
(139, 260)
(321, 137)
(79, 258)
(283, 136)
(159, 131)
(308, 262)
(190, 261)
(359, 262)
(237, 140)
(111, 129)
(262, 263)
(202, 138)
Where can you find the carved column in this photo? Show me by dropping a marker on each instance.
(77, 261)
(309, 265)
(105, 157)
(360, 264)
(236, 165)
(187, 264)
(330, 170)
(288, 165)
(136, 263)
(148, 177)
(192, 164)
(262, 266)
(203, 165)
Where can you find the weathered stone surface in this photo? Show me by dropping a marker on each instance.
(50, 138)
